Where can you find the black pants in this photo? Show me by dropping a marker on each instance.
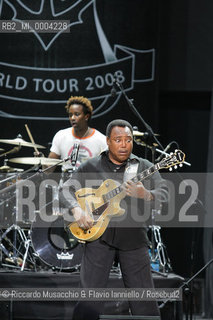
(96, 264)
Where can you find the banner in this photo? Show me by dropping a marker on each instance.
(39, 69)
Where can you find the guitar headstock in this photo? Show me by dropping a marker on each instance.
(172, 160)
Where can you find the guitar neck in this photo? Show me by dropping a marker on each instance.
(139, 177)
(146, 173)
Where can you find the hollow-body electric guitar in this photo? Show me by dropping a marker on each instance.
(104, 203)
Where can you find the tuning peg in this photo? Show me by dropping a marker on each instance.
(180, 165)
(171, 153)
(170, 169)
(175, 166)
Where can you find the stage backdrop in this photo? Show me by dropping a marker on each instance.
(208, 232)
(89, 41)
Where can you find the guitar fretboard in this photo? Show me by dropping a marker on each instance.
(139, 177)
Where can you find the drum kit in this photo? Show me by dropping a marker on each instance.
(32, 243)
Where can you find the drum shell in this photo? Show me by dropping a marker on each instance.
(53, 246)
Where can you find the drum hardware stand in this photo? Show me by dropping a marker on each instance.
(158, 250)
(3, 249)
(27, 245)
(16, 255)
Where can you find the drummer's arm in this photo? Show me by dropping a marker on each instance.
(51, 155)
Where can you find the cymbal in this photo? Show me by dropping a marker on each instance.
(21, 142)
(37, 160)
(10, 169)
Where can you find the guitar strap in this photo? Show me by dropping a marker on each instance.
(130, 171)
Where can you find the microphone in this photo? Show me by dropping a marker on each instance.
(113, 90)
(165, 150)
(138, 133)
(74, 154)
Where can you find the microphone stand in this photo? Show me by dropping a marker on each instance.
(132, 107)
(187, 291)
(148, 127)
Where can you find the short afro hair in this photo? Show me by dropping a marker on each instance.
(84, 102)
(117, 123)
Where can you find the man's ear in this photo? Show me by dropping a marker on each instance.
(107, 141)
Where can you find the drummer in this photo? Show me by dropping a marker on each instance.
(79, 142)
